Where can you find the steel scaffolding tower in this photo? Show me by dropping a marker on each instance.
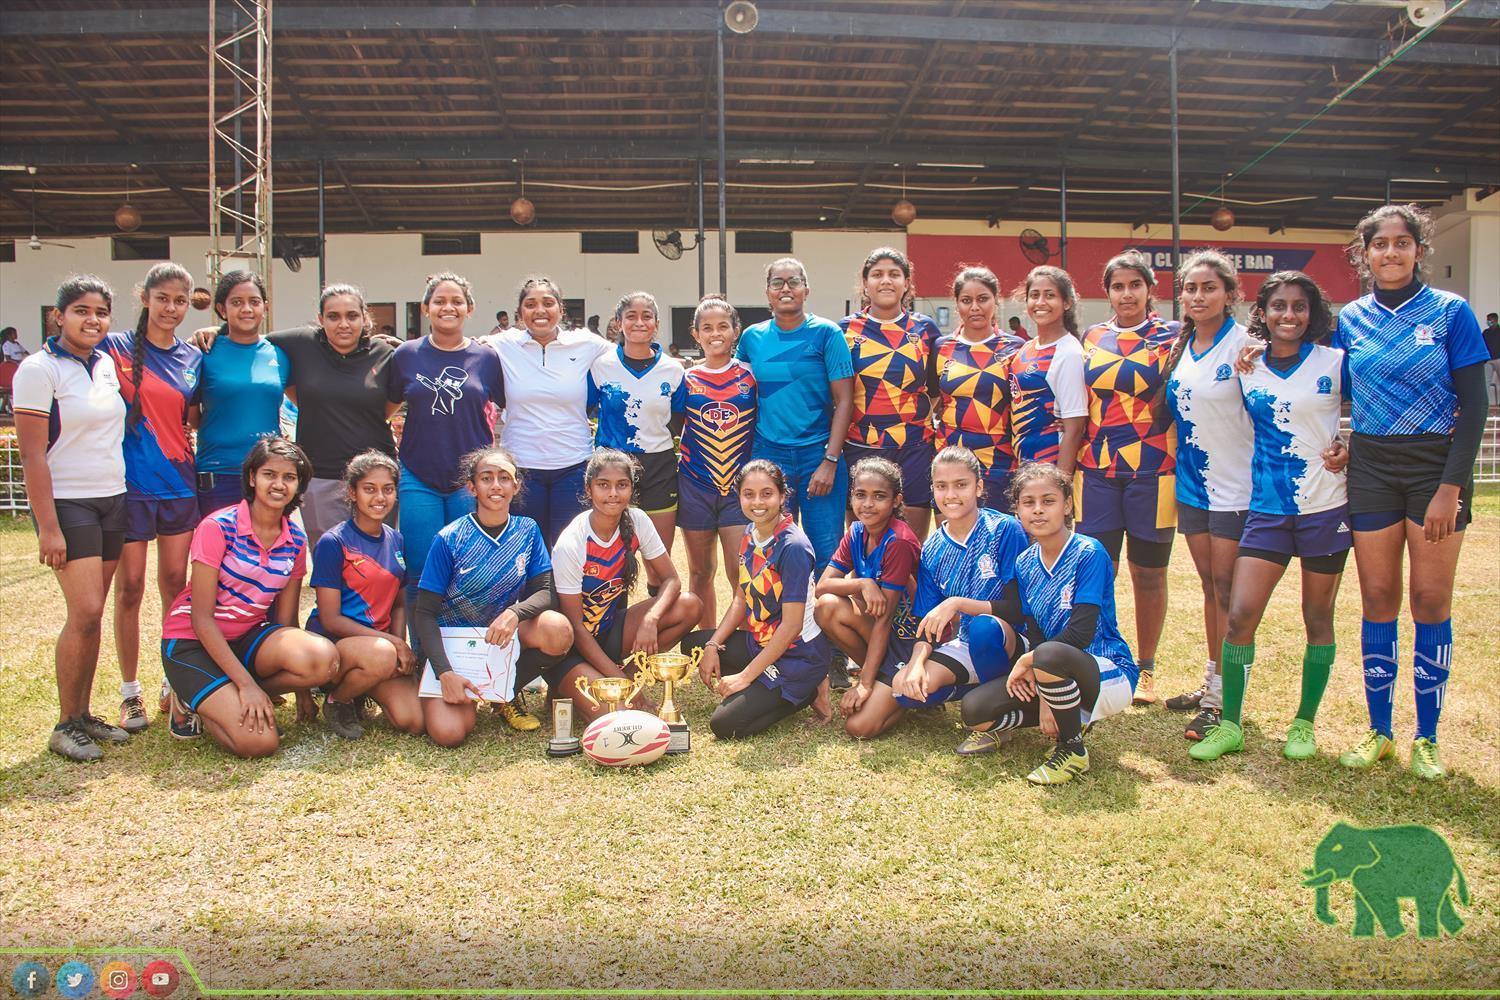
(242, 55)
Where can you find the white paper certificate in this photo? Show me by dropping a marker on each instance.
(492, 669)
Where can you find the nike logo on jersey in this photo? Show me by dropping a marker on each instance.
(464, 569)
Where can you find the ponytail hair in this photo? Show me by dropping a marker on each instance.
(716, 300)
(159, 275)
(1064, 283)
(607, 458)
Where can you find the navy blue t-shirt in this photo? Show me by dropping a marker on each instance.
(451, 401)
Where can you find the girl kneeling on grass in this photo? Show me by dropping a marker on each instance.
(966, 564)
(1078, 663)
(594, 570)
(777, 665)
(488, 569)
(865, 595)
(229, 643)
(360, 579)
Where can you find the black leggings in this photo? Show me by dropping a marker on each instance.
(747, 712)
(990, 702)
(1147, 555)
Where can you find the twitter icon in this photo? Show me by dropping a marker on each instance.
(75, 980)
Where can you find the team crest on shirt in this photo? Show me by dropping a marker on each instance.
(401, 561)
(190, 379)
(744, 389)
(590, 569)
(986, 567)
(1065, 602)
(1223, 373)
(521, 564)
(912, 337)
(720, 416)
(1424, 335)
(666, 389)
(1325, 385)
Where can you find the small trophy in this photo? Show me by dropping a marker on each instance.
(669, 669)
(563, 743)
(609, 690)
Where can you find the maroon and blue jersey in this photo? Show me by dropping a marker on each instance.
(158, 454)
(367, 571)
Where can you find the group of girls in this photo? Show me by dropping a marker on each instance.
(1153, 424)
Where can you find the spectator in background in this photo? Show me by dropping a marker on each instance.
(13, 351)
(593, 324)
(612, 331)
(502, 321)
(1491, 370)
(10, 343)
(1018, 329)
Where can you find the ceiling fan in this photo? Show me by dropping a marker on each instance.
(35, 243)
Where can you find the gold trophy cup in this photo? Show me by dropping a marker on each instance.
(609, 690)
(669, 669)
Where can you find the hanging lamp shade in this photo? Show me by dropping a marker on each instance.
(903, 213)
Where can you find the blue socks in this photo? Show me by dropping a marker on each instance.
(1434, 655)
(1377, 642)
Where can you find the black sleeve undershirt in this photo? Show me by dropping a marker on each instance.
(424, 617)
(1007, 607)
(1468, 432)
(1083, 620)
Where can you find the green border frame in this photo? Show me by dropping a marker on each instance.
(186, 965)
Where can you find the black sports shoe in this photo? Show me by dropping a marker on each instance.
(1205, 720)
(343, 718)
(69, 740)
(1188, 700)
(838, 672)
(100, 731)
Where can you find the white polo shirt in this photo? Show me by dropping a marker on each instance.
(546, 396)
(85, 419)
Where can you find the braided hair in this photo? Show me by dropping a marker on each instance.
(1225, 269)
(159, 275)
(609, 458)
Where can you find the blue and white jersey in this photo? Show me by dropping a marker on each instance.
(1213, 429)
(1083, 574)
(1295, 414)
(478, 576)
(1400, 362)
(635, 409)
(977, 567)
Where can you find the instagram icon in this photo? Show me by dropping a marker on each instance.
(117, 979)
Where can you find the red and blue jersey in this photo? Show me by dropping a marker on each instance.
(719, 426)
(158, 454)
(893, 362)
(973, 384)
(892, 563)
(594, 567)
(1046, 385)
(1130, 432)
(367, 571)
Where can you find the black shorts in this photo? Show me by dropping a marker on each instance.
(194, 675)
(1228, 524)
(658, 482)
(1396, 476)
(612, 642)
(91, 527)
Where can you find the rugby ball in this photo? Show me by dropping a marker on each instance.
(625, 739)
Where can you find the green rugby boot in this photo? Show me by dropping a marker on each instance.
(976, 742)
(1424, 760)
(1226, 737)
(1375, 747)
(1061, 767)
(1300, 744)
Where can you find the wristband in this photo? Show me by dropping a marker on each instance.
(831, 458)
(715, 644)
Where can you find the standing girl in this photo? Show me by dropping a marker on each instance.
(1048, 403)
(1298, 502)
(487, 570)
(973, 383)
(717, 431)
(546, 416)
(865, 595)
(966, 564)
(1130, 450)
(230, 641)
(359, 576)
(70, 422)
(1415, 359)
(777, 664)
(640, 397)
(244, 379)
(1214, 443)
(1078, 664)
(594, 570)
(892, 351)
(159, 378)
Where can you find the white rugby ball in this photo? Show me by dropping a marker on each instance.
(625, 738)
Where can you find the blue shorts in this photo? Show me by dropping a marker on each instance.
(217, 490)
(1322, 534)
(914, 459)
(1144, 506)
(701, 508)
(145, 519)
(997, 489)
(987, 637)
(193, 673)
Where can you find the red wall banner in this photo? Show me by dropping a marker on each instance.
(938, 258)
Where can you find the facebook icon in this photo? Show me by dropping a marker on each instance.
(30, 979)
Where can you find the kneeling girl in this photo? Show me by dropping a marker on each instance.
(777, 664)
(594, 570)
(1078, 663)
(229, 642)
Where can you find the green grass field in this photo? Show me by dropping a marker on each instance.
(799, 860)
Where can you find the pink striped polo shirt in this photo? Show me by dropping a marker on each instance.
(250, 577)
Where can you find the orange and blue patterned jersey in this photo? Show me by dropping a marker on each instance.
(1046, 386)
(776, 573)
(719, 425)
(893, 366)
(158, 453)
(369, 573)
(974, 396)
(1131, 432)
